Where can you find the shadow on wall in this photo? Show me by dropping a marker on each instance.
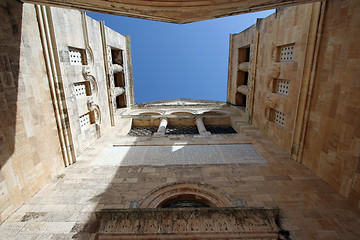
(10, 39)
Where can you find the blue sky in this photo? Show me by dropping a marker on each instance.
(180, 61)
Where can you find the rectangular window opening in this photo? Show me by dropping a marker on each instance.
(286, 53)
(121, 101)
(244, 54)
(240, 100)
(82, 89)
(117, 56)
(278, 117)
(77, 56)
(86, 120)
(281, 86)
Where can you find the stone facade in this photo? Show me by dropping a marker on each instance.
(59, 79)
(306, 99)
(68, 102)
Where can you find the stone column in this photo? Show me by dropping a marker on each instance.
(201, 127)
(162, 127)
(118, 91)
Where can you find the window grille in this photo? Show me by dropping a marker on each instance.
(283, 87)
(287, 53)
(80, 89)
(76, 56)
(84, 121)
(279, 118)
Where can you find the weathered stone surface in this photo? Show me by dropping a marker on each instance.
(205, 223)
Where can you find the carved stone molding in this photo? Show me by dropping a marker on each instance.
(273, 52)
(274, 74)
(94, 107)
(89, 77)
(203, 193)
(89, 56)
(193, 223)
(270, 102)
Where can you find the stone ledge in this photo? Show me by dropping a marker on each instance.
(189, 223)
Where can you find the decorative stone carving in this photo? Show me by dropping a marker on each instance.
(89, 56)
(199, 223)
(251, 77)
(94, 107)
(204, 193)
(270, 103)
(273, 52)
(89, 77)
(274, 73)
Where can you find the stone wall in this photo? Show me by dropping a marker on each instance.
(332, 143)
(265, 71)
(74, 30)
(321, 126)
(30, 154)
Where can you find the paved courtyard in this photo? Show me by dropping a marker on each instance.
(65, 208)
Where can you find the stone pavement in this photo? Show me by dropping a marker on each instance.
(181, 154)
(65, 208)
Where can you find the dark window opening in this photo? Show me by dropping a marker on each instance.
(121, 101)
(186, 204)
(117, 56)
(247, 54)
(246, 76)
(177, 130)
(220, 129)
(240, 100)
(142, 131)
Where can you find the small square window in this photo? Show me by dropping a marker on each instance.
(278, 117)
(286, 53)
(77, 56)
(82, 89)
(282, 86)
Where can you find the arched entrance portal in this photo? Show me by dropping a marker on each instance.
(212, 215)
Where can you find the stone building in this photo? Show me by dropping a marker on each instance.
(279, 160)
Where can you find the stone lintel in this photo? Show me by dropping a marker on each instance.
(189, 223)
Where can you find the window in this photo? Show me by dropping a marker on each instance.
(278, 117)
(86, 120)
(77, 56)
(286, 53)
(82, 89)
(282, 86)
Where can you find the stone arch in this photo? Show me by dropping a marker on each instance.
(149, 113)
(181, 112)
(215, 112)
(203, 193)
